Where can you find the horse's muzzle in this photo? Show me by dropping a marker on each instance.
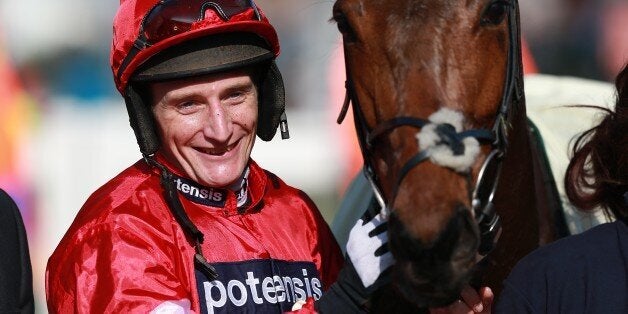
(433, 274)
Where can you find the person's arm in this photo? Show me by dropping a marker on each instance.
(16, 279)
(366, 269)
(129, 266)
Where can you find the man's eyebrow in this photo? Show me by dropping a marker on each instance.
(243, 84)
(240, 86)
(178, 94)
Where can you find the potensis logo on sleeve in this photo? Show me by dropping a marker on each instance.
(258, 286)
(201, 194)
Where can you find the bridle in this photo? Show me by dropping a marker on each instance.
(482, 194)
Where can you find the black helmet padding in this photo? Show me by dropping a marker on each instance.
(271, 104)
(142, 121)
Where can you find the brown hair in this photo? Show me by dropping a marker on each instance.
(597, 174)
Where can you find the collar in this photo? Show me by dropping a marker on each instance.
(240, 188)
(241, 197)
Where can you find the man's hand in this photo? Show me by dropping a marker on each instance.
(367, 266)
(471, 302)
(367, 248)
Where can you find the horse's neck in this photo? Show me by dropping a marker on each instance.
(517, 165)
(548, 203)
(526, 197)
(520, 198)
(517, 204)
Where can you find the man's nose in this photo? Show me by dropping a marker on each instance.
(218, 124)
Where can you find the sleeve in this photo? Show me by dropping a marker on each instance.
(124, 267)
(511, 300)
(325, 250)
(525, 288)
(16, 283)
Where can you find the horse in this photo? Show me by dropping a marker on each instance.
(436, 89)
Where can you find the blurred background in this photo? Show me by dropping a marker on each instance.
(64, 130)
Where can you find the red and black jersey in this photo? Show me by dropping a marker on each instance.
(125, 251)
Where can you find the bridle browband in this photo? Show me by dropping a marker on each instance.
(482, 195)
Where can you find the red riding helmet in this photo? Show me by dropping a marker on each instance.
(157, 40)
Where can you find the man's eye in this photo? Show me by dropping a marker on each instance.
(235, 97)
(186, 105)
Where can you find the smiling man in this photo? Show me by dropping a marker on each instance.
(195, 225)
(207, 125)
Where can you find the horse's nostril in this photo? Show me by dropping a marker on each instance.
(438, 268)
(460, 236)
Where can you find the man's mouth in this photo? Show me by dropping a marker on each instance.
(217, 151)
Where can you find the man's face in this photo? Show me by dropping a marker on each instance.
(207, 125)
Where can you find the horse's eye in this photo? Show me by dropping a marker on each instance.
(343, 26)
(495, 12)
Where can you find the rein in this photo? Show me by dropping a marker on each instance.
(482, 194)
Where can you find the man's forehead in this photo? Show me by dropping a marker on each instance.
(215, 81)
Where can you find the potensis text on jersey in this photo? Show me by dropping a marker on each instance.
(274, 290)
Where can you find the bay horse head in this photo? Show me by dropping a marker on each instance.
(437, 94)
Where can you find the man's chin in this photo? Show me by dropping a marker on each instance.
(221, 179)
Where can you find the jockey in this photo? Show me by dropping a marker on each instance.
(195, 225)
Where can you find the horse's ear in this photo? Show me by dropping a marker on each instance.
(345, 107)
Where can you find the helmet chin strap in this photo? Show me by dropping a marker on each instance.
(175, 206)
